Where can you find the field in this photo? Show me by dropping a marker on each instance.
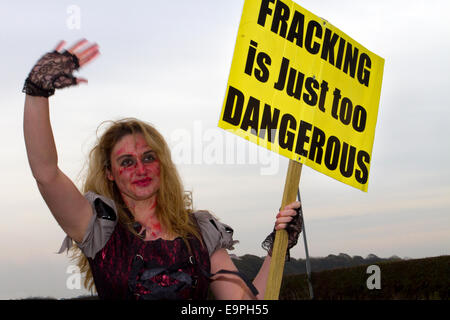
(419, 279)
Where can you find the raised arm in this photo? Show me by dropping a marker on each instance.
(54, 71)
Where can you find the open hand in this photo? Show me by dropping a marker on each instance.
(83, 50)
(54, 69)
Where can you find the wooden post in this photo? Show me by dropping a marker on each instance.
(281, 237)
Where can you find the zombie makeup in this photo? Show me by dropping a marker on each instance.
(135, 168)
(136, 171)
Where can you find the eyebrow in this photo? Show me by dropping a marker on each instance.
(131, 155)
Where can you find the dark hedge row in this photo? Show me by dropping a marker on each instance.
(420, 279)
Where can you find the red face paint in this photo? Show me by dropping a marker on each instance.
(135, 168)
(119, 152)
(154, 204)
(156, 226)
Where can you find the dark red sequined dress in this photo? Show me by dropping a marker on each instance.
(126, 267)
(130, 268)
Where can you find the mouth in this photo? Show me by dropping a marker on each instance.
(143, 182)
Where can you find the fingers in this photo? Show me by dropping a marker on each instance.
(286, 215)
(290, 209)
(60, 46)
(89, 57)
(77, 48)
(283, 218)
(81, 80)
(282, 222)
(72, 49)
(77, 45)
(84, 55)
(293, 205)
(87, 52)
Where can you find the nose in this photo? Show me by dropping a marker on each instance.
(140, 168)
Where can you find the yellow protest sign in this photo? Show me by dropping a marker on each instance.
(304, 89)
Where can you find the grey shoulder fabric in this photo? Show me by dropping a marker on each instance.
(216, 234)
(101, 226)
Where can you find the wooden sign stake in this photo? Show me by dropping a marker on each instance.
(281, 237)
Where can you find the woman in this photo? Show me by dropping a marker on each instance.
(134, 229)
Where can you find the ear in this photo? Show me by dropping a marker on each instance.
(109, 175)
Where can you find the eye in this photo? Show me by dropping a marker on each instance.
(127, 162)
(148, 158)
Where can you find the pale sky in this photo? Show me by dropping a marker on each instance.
(168, 63)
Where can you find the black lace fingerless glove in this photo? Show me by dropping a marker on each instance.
(294, 228)
(52, 71)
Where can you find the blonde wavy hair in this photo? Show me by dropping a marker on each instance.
(174, 205)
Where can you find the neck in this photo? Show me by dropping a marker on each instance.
(143, 211)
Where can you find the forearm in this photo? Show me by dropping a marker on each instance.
(260, 281)
(39, 141)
